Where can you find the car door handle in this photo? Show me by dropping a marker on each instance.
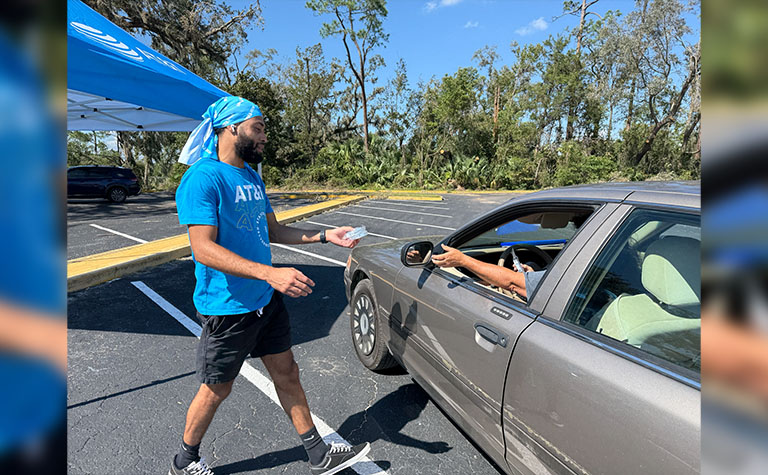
(491, 335)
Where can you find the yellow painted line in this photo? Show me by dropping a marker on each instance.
(414, 198)
(304, 211)
(98, 268)
(93, 262)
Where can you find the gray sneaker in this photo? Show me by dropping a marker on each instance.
(339, 457)
(194, 468)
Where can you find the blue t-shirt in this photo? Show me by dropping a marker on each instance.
(235, 200)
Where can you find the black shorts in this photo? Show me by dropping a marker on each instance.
(227, 340)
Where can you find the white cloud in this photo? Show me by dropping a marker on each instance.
(435, 4)
(539, 24)
(472, 24)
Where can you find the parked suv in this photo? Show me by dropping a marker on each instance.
(95, 181)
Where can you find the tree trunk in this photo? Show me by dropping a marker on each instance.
(610, 120)
(146, 172)
(689, 130)
(581, 27)
(496, 107)
(365, 118)
(630, 107)
(670, 117)
(402, 152)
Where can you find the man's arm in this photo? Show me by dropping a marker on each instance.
(202, 239)
(491, 273)
(287, 235)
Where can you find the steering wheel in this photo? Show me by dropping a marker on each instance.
(530, 247)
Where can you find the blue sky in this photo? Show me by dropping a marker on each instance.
(434, 37)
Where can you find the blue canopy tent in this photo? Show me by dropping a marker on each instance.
(115, 82)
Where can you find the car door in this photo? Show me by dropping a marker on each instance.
(586, 396)
(76, 181)
(457, 338)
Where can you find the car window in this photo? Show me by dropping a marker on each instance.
(537, 237)
(76, 173)
(529, 229)
(644, 288)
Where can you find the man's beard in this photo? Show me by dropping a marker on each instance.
(247, 149)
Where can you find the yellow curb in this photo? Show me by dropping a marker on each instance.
(96, 269)
(298, 196)
(302, 212)
(414, 198)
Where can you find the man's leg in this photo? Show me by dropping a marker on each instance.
(201, 410)
(284, 372)
(199, 417)
(322, 459)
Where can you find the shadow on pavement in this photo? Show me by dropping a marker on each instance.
(120, 307)
(383, 420)
(137, 388)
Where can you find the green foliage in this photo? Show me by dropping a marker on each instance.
(612, 99)
(578, 166)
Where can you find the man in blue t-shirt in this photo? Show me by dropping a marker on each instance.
(238, 294)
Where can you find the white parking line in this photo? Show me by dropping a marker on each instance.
(365, 467)
(332, 226)
(396, 220)
(398, 203)
(404, 211)
(119, 233)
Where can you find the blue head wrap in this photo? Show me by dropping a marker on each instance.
(222, 113)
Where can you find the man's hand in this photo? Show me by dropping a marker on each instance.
(336, 236)
(450, 258)
(290, 281)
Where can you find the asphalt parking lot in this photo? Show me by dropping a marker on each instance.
(132, 349)
(97, 225)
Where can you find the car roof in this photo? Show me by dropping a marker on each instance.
(674, 193)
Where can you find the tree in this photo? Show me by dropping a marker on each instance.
(200, 35)
(572, 7)
(309, 84)
(398, 107)
(368, 14)
(265, 94)
(656, 32)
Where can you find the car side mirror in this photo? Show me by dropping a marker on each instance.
(416, 254)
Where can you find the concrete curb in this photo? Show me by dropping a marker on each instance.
(92, 270)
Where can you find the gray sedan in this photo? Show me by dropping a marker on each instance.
(594, 368)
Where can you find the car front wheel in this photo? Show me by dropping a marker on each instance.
(366, 331)
(117, 194)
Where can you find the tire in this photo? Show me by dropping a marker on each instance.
(117, 194)
(367, 334)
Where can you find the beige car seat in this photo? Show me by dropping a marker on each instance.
(666, 320)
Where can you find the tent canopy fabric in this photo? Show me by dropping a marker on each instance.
(115, 82)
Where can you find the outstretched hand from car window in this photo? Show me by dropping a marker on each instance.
(450, 258)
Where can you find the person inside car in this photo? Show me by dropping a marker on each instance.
(509, 281)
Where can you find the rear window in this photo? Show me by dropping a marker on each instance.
(124, 173)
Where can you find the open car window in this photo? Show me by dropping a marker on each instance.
(537, 237)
